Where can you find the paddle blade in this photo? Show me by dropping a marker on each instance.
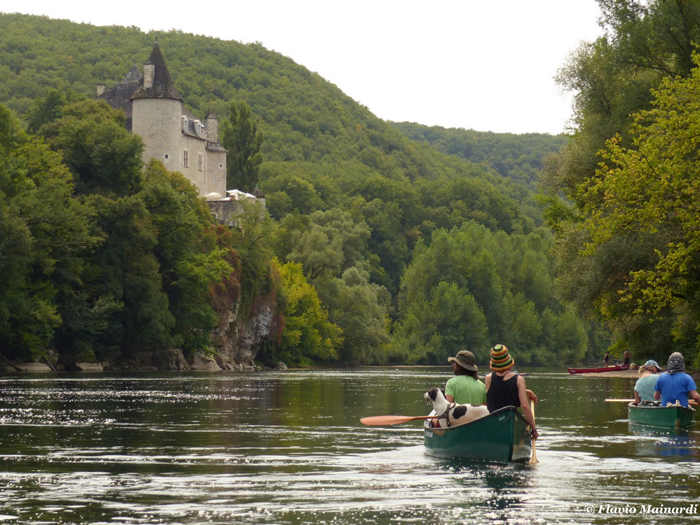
(390, 420)
(533, 458)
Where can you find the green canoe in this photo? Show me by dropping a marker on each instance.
(501, 437)
(659, 416)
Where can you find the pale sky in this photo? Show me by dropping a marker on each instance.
(487, 65)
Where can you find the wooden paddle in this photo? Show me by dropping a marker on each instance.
(533, 459)
(628, 401)
(390, 420)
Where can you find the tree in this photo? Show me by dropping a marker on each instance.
(359, 308)
(332, 249)
(471, 286)
(96, 146)
(613, 77)
(331, 242)
(49, 108)
(45, 234)
(308, 336)
(243, 140)
(647, 195)
(189, 260)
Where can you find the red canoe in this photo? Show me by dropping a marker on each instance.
(616, 368)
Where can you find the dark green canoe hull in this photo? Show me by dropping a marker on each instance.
(501, 437)
(662, 417)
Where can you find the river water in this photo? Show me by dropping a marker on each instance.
(288, 448)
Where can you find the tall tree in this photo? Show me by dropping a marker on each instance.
(613, 78)
(647, 196)
(45, 234)
(242, 138)
(308, 336)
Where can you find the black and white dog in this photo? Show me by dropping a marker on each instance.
(451, 414)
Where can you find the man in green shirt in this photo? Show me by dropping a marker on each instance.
(465, 387)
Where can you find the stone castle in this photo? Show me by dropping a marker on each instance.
(156, 111)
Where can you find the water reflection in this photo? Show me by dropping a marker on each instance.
(654, 442)
(287, 448)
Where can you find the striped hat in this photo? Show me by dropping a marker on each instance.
(500, 358)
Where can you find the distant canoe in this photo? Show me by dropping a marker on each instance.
(501, 437)
(616, 368)
(674, 416)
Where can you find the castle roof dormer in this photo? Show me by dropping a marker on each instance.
(156, 78)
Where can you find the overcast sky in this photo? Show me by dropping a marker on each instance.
(476, 64)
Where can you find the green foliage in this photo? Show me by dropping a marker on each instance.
(242, 139)
(332, 250)
(359, 308)
(647, 195)
(471, 287)
(189, 260)
(308, 336)
(614, 78)
(44, 235)
(350, 197)
(125, 268)
(96, 146)
(515, 157)
(49, 108)
(252, 243)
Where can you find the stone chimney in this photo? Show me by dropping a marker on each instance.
(149, 73)
(211, 124)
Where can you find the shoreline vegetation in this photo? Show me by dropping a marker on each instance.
(379, 243)
(6, 367)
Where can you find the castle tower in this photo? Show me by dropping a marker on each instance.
(157, 115)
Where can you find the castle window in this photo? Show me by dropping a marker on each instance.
(185, 158)
(166, 157)
(221, 166)
(200, 162)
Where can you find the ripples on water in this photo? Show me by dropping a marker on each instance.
(288, 448)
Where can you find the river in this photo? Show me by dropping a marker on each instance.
(287, 447)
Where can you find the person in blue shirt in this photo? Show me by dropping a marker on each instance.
(675, 385)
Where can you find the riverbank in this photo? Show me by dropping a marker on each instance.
(630, 374)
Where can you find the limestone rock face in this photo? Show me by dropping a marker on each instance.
(238, 348)
(203, 362)
(88, 367)
(172, 359)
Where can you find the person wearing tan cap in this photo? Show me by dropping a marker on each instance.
(644, 387)
(465, 387)
(507, 388)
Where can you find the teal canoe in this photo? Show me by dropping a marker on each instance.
(501, 437)
(659, 416)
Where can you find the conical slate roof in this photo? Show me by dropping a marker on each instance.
(163, 86)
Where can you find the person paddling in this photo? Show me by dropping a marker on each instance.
(675, 385)
(506, 388)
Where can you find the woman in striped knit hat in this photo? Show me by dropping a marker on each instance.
(506, 388)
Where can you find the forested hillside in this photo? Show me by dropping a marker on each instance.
(517, 157)
(350, 198)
